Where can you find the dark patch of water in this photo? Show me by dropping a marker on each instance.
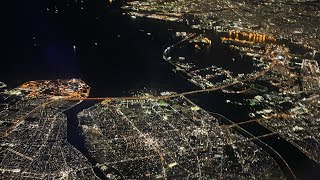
(75, 136)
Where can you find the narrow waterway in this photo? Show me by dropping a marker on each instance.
(75, 137)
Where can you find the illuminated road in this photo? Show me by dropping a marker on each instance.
(76, 97)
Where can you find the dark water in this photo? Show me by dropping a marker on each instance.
(75, 137)
(217, 54)
(113, 53)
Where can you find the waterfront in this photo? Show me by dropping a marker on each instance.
(113, 53)
(75, 137)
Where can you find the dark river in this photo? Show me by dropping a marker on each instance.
(75, 135)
